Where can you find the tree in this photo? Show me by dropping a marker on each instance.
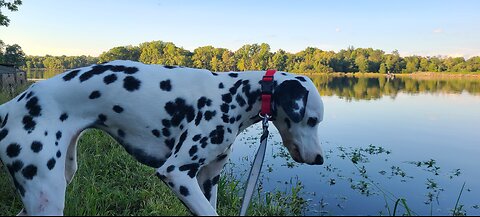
(12, 6)
(14, 55)
(120, 53)
(279, 60)
(2, 45)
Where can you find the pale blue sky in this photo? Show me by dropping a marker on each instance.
(422, 27)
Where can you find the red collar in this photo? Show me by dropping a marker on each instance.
(267, 91)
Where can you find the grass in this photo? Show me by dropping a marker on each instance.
(110, 182)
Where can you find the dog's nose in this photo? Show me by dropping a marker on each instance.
(318, 160)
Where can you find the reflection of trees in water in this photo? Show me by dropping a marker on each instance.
(357, 88)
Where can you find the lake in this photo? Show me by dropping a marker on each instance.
(416, 139)
(384, 139)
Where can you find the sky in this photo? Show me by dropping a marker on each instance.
(90, 27)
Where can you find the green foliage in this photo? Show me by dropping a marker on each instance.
(251, 57)
(12, 54)
(120, 53)
(12, 6)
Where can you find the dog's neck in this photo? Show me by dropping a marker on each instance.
(251, 91)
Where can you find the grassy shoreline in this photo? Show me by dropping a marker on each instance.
(111, 182)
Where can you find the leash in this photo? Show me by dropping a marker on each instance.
(265, 114)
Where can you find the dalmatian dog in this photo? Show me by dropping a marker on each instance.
(180, 121)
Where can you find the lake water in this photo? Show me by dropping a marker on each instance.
(416, 139)
(412, 139)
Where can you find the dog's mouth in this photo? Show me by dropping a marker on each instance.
(295, 153)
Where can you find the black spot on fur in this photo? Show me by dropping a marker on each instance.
(4, 122)
(233, 90)
(215, 74)
(221, 86)
(16, 166)
(312, 121)
(96, 70)
(224, 108)
(166, 85)
(179, 110)
(30, 94)
(225, 118)
(156, 133)
(198, 118)
(203, 101)
(216, 136)
(36, 146)
(29, 172)
(110, 79)
(58, 135)
(170, 168)
(59, 154)
(33, 108)
(197, 137)
(21, 97)
(69, 76)
(233, 75)
(28, 123)
(170, 143)
(240, 100)
(51, 163)
(169, 67)
(180, 141)
(204, 142)
(209, 114)
(171, 184)
(166, 132)
(191, 168)
(227, 98)
(117, 109)
(63, 117)
(101, 119)
(131, 84)
(13, 150)
(46, 133)
(300, 78)
(184, 191)
(95, 94)
(166, 123)
(193, 150)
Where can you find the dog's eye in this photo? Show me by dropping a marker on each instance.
(312, 121)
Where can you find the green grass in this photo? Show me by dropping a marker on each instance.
(111, 182)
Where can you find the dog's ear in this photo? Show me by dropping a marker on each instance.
(291, 96)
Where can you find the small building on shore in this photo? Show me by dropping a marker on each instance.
(11, 76)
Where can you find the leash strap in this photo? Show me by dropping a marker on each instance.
(255, 171)
(265, 114)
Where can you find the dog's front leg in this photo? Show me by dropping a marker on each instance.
(209, 176)
(187, 189)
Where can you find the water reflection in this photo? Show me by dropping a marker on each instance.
(367, 88)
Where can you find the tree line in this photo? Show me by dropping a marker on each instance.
(260, 57)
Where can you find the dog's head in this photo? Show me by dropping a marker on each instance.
(298, 110)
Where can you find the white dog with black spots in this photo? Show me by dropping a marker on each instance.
(180, 121)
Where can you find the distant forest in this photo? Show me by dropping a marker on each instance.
(251, 57)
